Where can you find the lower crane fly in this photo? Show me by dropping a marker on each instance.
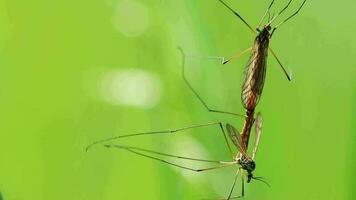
(246, 163)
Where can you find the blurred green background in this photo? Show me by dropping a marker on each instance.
(73, 72)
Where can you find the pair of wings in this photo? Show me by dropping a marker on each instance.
(236, 137)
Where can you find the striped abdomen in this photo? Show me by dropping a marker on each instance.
(246, 129)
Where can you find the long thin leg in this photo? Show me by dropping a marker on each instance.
(242, 188)
(130, 149)
(233, 184)
(269, 16)
(221, 58)
(226, 141)
(136, 149)
(148, 133)
(164, 132)
(264, 15)
(288, 18)
(280, 12)
(280, 64)
(238, 54)
(196, 93)
(228, 7)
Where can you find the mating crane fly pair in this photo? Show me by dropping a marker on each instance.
(251, 92)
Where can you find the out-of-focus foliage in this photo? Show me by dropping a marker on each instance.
(72, 72)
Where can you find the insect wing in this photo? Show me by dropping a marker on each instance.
(236, 138)
(258, 127)
(254, 77)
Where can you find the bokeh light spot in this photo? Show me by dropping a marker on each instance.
(192, 148)
(131, 87)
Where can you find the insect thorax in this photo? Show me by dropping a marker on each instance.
(247, 163)
(263, 37)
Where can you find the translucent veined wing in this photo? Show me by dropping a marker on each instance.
(236, 138)
(254, 75)
(258, 127)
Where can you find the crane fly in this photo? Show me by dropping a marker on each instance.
(255, 71)
(246, 163)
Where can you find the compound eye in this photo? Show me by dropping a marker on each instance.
(253, 165)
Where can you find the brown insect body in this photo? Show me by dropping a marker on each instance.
(246, 129)
(253, 83)
(255, 71)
